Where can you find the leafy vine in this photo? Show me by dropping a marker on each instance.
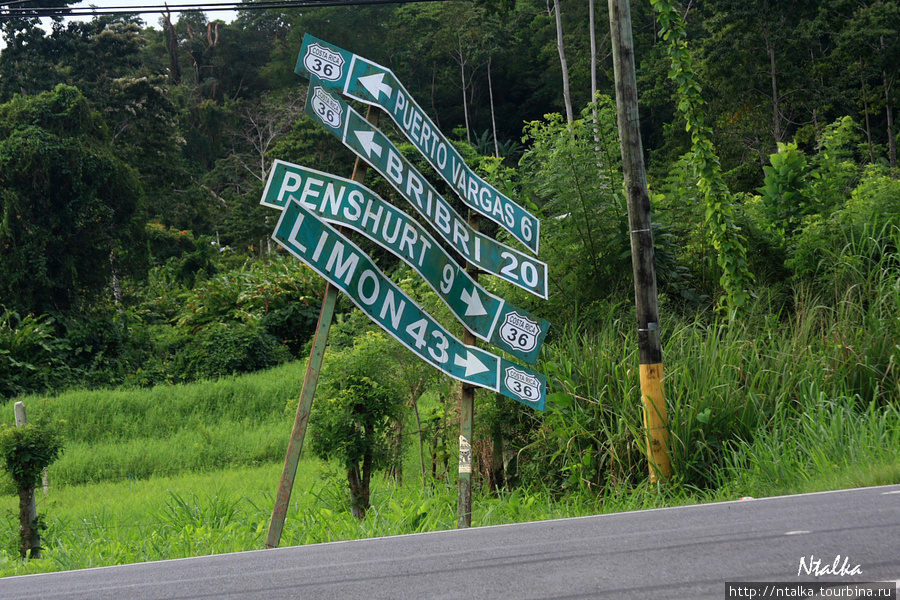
(725, 237)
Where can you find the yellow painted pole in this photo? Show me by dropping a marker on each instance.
(655, 422)
(642, 256)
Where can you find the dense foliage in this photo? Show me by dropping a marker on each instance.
(134, 251)
(26, 451)
(359, 401)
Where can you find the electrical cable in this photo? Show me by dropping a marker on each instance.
(68, 11)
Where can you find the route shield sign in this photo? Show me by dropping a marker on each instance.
(360, 79)
(351, 270)
(322, 60)
(369, 143)
(346, 202)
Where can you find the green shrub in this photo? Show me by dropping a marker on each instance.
(220, 349)
(784, 190)
(358, 402)
(26, 451)
(572, 171)
(31, 356)
(864, 229)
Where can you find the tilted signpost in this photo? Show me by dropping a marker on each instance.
(355, 77)
(345, 202)
(370, 144)
(312, 203)
(350, 269)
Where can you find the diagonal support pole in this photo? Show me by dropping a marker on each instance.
(311, 381)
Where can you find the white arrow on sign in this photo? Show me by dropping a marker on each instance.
(372, 145)
(367, 139)
(375, 85)
(470, 362)
(347, 203)
(474, 307)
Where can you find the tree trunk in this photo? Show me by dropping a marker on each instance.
(773, 76)
(462, 75)
(359, 480)
(116, 282)
(434, 110)
(593, 34)
(889, 109)
(865, 93)
(776, 109)
(359, 493)
(421, 441)
(567, 95)
(396, 471)
(495, 475)
(493, 118)
(174, 71)
(30, 538)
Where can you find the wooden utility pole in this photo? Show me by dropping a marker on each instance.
(642, 257)
(311, 381)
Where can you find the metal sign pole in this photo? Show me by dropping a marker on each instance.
(304, 407)
(466, 424)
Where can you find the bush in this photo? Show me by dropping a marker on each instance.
(26, 451)
(865, 222)
(30, 354)
(359, 402)
(573, 172)
(220, 349)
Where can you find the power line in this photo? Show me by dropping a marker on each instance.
(63, 11)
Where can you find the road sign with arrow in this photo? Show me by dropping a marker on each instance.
(371, 83)
(345, 202)
(369, 143)
(351, 270)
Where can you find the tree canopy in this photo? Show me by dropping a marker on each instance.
(133, 157)
(70, 209)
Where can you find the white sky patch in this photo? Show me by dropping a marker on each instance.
(150, 19)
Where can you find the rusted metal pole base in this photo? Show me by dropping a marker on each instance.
(301, 419)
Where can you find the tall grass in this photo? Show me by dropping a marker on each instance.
(787, 400)
(834, 443)
(120, 434)
(200, 447)
(109, 415)
(728, 385)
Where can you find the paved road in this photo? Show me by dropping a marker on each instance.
(688, 553)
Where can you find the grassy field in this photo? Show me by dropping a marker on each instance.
(119, 514)
(772, 405)
(193, 470)
(110, 523)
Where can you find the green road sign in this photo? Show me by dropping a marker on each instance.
(351, 270)
(363, 80)
(346, 202)
(369, 143)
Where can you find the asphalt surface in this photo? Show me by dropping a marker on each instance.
(689, 552)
